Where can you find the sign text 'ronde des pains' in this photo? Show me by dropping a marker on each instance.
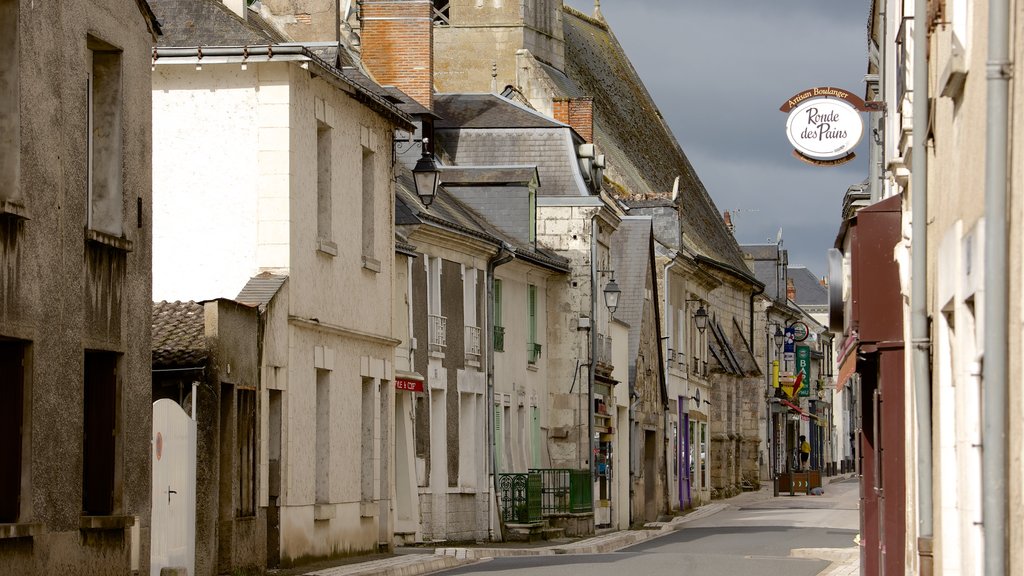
(824, 125)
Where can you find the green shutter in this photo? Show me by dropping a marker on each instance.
(499, 447)
(531, 307)
(535, 436)
(497, 303)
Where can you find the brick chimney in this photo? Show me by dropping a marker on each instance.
(727, 217)
(790, 290)
(576, 112)
(397, 40)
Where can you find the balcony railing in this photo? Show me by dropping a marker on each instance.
(499, 338)
(473, 343)
(520, 497)
(438, 332)
(532, 352)
(545, 492)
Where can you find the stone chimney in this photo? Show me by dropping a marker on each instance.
(238, 7)
(790, 290)
(727, 217)
(397, 39)
(301, 20)
(576, 112)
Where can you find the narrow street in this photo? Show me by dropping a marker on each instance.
(756, 534)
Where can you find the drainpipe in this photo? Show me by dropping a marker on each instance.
(919, 289)
(679, 412)
(506, 253)
(994, 373)
(594, 264)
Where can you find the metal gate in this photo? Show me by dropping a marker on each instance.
(173, 530)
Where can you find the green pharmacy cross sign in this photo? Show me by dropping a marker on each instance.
(803, 370)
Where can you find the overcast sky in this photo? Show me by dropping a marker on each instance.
(719, 70)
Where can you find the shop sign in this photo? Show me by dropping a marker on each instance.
(824, 125)
(800, 331)
(408, 384)
(803, 368)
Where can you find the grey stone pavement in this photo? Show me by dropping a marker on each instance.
(844, 561)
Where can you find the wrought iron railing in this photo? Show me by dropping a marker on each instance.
(520, 497)
(532, 352)
(438, 332)
(499, 338)
(545, 492)
(473, 343)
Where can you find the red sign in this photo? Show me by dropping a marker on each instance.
(407, 384)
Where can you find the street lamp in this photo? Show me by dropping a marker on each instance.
(611, 295)
(700, 318)
(779, 337)
(426, 176)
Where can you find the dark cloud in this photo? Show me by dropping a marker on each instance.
(719, 72)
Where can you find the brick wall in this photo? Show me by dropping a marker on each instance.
(576, 112)
(396, 46)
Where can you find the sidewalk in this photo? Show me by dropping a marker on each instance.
(845, 562)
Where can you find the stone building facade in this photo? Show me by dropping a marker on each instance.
(75, 272)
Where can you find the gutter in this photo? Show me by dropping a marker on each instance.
(594, 265)
(995, 384)
(284, 52)
(506, 253)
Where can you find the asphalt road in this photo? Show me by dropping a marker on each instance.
(753, 536)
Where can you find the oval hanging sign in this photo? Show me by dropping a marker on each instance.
(824, 125)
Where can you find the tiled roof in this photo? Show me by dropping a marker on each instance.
(540, 142)
(631, 260)
(809, 291)
(475, 210)
(487, 111)
(643, 156)
(209, 23)
(260, 289)
(179, 335)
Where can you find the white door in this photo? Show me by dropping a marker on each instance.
(174, 488)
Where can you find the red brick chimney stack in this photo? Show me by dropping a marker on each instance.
(790, 289)
(397, 40)
(727, 217)
(578, 113)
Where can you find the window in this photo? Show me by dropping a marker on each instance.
(474, 354)
(369, 207)
(10, 121)
(367, 435)
(441, 12)
(532, 348)
(499, 323)
(245, 426)
(105, 139)
(323, 181)
(13, 356)
(322, 465)
(499, 440)
(100, 433)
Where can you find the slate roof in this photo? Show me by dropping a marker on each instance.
(261, 289)
(766, 268)
(447, 210)
(527, 139)
(643, 156)
(179, 335)
(631, 259)
(209, 23)
(809, 291)
(487, 111)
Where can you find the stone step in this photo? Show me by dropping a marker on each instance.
(553, 533)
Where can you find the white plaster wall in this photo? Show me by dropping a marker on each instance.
(206, 177)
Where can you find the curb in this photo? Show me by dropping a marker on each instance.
(410, 565)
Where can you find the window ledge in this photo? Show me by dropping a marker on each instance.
(20, 530)
(8, 208)
(324, 511)
(532, 367)
(106, 522)
(462, 490)
(371, 264)
(108, 240)
(326, 247)
(368, 509)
